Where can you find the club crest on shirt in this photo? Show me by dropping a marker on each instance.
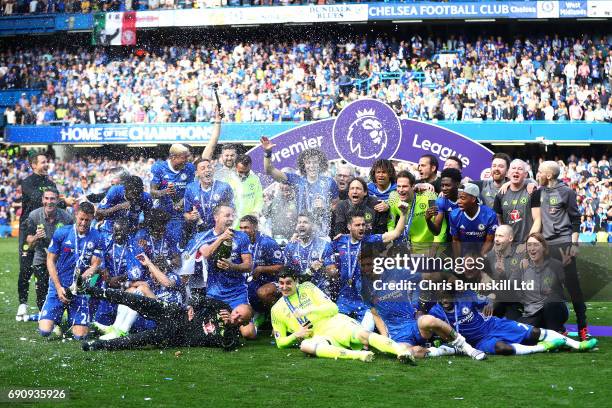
(481, 227)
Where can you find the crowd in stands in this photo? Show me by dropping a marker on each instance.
(10, 7)
(548, 77)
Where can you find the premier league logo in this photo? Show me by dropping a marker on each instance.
(366, 130)
(366, 136)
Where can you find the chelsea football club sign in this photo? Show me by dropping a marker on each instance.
(367, 130)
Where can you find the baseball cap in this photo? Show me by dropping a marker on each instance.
(471, 189)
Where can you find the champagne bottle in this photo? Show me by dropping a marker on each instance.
(224, 251)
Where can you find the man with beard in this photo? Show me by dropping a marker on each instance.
(359, 200)
(247, 189)
(348, 248)
(226, 166)
(170, 179)
(513, 207)
(416, 233)
(428, 170)
(203, 195)
(490, 188)
(316, 193)
(32, 188)
(312, 257)
(40, 226)
(560, 223)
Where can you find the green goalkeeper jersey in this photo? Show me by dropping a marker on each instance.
(419, 232)
(307, 296)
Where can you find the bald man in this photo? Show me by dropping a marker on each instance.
(560, 225)
(513, 206)
(344, 172)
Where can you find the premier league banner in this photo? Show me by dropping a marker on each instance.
(367, 130)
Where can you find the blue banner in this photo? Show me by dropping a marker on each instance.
(250, 133)
(479, 10)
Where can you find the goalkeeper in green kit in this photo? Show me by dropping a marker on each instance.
(305, 315)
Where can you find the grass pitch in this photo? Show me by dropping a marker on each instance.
(259, 375)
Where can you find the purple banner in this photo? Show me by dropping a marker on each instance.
(367, 130)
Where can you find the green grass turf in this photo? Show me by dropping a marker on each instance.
(260, 375)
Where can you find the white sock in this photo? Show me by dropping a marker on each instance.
(122, 311)
(462, 345)
(128, 321)
(368, 321)
(547, 335)
(440, 351)
(521, 349)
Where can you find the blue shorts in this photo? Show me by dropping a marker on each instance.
(78, 310)
(233, 300)
(252, 288)
(352, 308)
(105, 312)
(408, 333)
(504, 330)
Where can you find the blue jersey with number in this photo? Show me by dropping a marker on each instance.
(225, 284)
(473, 229)
(164, 174)
(206, 200)
(116, 195)
(324, 188)
(465, 317)
(70, 248)
(349, 265)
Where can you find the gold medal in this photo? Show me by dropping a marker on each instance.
(350, 282)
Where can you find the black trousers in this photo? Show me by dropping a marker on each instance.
(509, 310)
(25, 268)
(572, 285)
(42, 284)
(171, 321)
(552, 316)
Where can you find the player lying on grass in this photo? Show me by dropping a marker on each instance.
(207, 323)
(395, 317)
(305, 315)
(498, 335)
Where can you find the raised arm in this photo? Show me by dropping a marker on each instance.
(209, 150)
(276, 174)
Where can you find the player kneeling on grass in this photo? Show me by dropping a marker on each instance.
(75, 252)
(307, 316)
(498, 335)
(206, 323)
